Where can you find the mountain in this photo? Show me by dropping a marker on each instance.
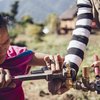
(37, 9)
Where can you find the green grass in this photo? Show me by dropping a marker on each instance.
(52, 44)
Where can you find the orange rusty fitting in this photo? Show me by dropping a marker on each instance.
(85, 72)
(69, 82)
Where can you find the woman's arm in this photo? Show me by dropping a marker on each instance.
(53, 62)
(38, 59)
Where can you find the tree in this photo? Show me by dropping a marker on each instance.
(14, 11)
(52, 23)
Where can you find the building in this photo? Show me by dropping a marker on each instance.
(67, 20)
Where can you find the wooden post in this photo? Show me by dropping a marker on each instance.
(85, 72)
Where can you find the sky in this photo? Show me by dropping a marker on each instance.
(37, 9)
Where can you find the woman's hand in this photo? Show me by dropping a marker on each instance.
(6, 79)
(55, 63)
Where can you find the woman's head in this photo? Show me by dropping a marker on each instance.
(4, 39)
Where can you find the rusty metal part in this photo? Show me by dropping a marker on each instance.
(56, 80)
(68, 82)
(48, 75)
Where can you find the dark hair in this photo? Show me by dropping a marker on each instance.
(3, 20)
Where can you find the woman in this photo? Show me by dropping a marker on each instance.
(16, 60)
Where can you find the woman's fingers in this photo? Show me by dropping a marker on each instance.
(2, 77)
(55, 63)
(47, 61)
(61, 61)
(6, 79)
(50, 62)
(58, 62)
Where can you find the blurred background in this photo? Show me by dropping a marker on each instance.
(46, 26)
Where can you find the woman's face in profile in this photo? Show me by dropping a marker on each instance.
(4, 43)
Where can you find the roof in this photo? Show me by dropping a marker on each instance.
(70, 13)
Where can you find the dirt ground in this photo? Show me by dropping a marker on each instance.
(38, 90)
